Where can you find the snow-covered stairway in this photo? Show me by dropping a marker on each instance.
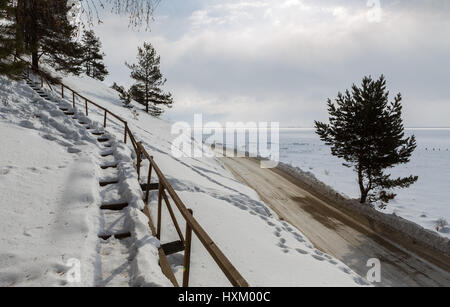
(115, 236)
(118, 244)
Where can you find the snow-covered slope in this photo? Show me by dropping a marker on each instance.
(266, 250)
(50, 199)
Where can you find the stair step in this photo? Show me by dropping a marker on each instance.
(105, 183)
(172, 247)
(119, 236)
(108, 166)
(107, 155)
(103, 140)
(69, 113)
(153, 186)
(114, 207)
(98, 133)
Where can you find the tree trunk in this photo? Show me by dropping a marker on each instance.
(146, 97)
(363, 197)
(363, 190)
(35, 61)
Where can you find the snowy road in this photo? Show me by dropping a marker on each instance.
(334, 232)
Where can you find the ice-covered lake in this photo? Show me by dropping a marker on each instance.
(426, 202)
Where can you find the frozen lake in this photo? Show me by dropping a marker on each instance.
(425, 202)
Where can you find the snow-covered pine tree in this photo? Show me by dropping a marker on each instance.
(48, 35)
(10, 45)
(93, 57)
(366, 130)
(149, 80)
(124, 95)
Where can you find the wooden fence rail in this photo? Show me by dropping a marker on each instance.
(163, 186)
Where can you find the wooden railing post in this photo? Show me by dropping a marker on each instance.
(104, 120)
(73, 95)
(139, 160)
(42, 80)
(87, 111)
(62, 91)
(187, 253)
(158, 226)
(149, 179)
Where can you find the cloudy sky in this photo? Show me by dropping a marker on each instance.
(279, 60)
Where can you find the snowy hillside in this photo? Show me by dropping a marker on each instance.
(50, 197)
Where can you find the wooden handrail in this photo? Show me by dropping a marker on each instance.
(192, 225)
(222, 261)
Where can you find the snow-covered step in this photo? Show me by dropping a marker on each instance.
(103, 139)
(107, 153)
(110, 195)
(114, 207)
(153, 186)
(173, 247)
(108, 162)
(108, 165)
(115, 265)
(109, 174)
(113, 222)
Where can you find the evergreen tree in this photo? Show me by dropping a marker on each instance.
(124, 95)
(48, 35)
(93, 57)
(10, 46)
(149, 80)
(367, 131)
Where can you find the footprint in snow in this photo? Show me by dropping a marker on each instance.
(318, 257)
(301, 251)
(345, 270)
(73, 150)
(4, 171)
(319, 253)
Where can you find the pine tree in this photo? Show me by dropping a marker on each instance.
(93, 57)
(48, 35)
(366, 130)
(149, 80)
(124, 95)
(10, 45)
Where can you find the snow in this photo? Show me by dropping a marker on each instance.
(44, 223)
(264, 249)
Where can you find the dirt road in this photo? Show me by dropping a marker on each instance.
(333, 231)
